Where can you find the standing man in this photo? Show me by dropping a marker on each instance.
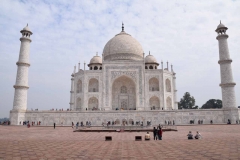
(155, 133)
(160, 133)
(54, 125)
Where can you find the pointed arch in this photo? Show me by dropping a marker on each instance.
(169, 103)
(168, 85)
(153, 84)
(79, 86)
(79, 104)
(93, 85)
(123, 94)
(154, 103)
(93, 104)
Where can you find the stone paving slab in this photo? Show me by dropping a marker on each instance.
(219, 142)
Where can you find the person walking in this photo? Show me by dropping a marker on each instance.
(72, 125)
(54, 125)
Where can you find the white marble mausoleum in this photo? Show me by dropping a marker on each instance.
(123, 79)
(124, 85)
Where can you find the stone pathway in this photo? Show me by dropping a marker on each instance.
(19, 142)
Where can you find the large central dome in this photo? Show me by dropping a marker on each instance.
(123, 47)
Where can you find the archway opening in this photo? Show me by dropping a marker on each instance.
(154, 103)
(93, 104)
(153, 84)
(123, 94)
(168, 85)
(79, 105)
(169, 103)
(79, 86)
(93, 85)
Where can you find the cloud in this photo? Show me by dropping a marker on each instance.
(66, 32)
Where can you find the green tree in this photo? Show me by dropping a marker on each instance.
(187, 102)
(212, 103)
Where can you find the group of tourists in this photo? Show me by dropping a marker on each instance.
(157, 133)
(88, 123)
(28, 123)
(5, 123)
(197, 136)
(169, 122)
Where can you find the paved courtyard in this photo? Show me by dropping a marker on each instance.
(19, 142)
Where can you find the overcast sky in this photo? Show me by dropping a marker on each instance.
(66, 32)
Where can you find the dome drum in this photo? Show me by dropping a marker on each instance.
(123, 56)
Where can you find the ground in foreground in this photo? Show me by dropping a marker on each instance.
(19, 142)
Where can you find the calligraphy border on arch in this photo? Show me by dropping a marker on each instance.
(117, 74)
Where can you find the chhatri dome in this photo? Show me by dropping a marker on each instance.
(26, 29)
(96, 60)
(123, 47)
(221, 25)
(95, 63)
(150, 59)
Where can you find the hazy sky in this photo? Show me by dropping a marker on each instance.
(66, 32)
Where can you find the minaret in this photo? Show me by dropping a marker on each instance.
(163, 107)
(227, 83)
(21, 85)
(175, 89)
(72, 91)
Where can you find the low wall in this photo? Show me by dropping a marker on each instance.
(97, 117)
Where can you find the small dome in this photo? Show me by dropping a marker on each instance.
(150, 59)
(26, 29)
(96, 59)
(221, 25)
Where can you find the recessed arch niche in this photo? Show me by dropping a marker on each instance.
(123, 94)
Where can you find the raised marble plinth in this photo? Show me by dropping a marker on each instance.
(98, 117)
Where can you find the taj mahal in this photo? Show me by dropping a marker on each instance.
(124, 85)
(124, 79)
